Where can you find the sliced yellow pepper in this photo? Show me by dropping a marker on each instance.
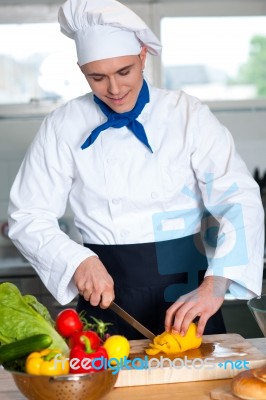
(171, 343)
(47, 362)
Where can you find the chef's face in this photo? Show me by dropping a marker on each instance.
(117, 81)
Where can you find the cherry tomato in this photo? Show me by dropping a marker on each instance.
(77, 339)
(68, 322)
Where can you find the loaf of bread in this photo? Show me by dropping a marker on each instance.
(250, 384)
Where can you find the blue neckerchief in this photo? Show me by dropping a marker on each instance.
(116, 120)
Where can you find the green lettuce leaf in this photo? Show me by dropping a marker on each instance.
(23, 316)
(39, 307)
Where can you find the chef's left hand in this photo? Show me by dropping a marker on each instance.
(202, 302)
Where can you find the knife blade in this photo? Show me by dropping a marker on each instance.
(131, 320)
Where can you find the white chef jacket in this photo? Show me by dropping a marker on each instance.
(121, 193)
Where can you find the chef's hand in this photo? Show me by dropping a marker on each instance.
(202, 302)
(94, 283)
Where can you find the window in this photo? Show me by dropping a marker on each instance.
(215, 58)
(38, 63)
(206, 45)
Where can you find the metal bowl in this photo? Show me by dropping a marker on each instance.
(91, 386)
(257, 306)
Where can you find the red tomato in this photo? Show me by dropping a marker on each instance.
(68, 322)
(76, 339)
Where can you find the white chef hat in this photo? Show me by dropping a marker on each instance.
(105, 29)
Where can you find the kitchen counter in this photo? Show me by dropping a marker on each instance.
(190, 391)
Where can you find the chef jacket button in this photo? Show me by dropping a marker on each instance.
(154, 195)
(116, 201)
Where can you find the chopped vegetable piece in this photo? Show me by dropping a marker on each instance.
(172, 343)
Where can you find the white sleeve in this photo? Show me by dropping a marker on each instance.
(38, 198)
(232, 196)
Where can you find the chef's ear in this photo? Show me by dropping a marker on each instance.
(142, 56)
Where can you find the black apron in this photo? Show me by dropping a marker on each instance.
(148, 278)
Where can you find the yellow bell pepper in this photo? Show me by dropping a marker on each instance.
(47, 362)
(172, 343)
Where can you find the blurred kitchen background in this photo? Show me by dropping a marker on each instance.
(213, 49)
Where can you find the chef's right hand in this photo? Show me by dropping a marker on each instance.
(94, 283)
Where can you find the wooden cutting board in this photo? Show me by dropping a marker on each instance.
(219, 357)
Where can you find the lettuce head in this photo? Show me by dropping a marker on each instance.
(23, 316)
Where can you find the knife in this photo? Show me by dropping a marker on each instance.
(132, 321)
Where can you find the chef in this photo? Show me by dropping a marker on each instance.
(170, 217)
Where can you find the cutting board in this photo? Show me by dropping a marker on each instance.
(219, 357)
